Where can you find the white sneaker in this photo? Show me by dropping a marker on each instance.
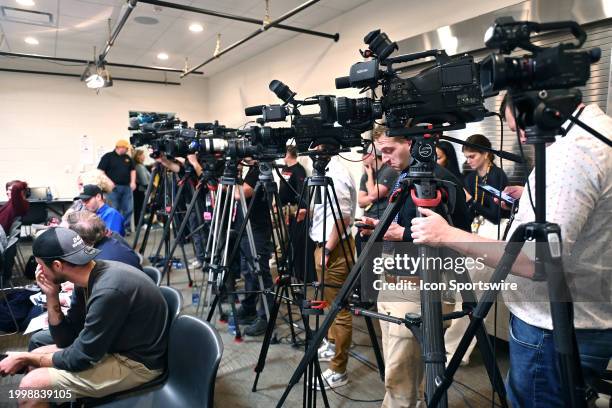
(195, 264)
(332, 379)
(327, 351)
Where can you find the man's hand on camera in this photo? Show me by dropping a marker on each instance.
(431, 229)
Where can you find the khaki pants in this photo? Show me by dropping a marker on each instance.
(341, 331)
(112, 374)
(402, 352)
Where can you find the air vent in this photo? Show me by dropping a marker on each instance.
(146, 20)
(26, 16)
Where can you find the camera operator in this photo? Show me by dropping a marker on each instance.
(178, 167)
(579, 199)
(329, 251)
(294, 174)
(261, 226)
(375, 185)
(402, 352)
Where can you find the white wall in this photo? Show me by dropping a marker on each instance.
(43, 119)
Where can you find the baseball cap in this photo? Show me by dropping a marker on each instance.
(65, 244)
(89, 190)
(122, 143)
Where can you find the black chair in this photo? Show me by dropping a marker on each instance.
(174, 300)
(194, 355)
(153, 273)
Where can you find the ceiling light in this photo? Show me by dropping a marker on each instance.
(162, 56)
(94, 81)
(196, 28)
(28, 3)
(31, 40)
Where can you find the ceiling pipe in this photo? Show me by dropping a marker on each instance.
(228, 16)
(111, 41)
(262, 29)
(146, 81)
(79, 61)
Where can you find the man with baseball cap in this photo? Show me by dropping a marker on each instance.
(119, 167)
(93, 200)
(113, 342)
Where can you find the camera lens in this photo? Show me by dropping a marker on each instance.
(351, 111)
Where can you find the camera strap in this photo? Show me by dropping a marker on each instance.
(564, 132)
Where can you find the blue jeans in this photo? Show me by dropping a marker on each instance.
(533, 379)
(121, 199)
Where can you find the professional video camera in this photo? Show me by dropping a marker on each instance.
(308, 130)
(540, 84)
(547, 68)
(444, 96)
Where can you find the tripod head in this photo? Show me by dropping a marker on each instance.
(541, 113)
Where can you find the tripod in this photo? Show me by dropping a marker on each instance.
(160, 194)
(205, 184)
(219, 258)
(284, 285)
(424, 190)
(547, 111)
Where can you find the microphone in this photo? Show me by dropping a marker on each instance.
(254, 110)
(343, 82)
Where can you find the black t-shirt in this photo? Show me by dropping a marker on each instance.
(260, 214)
(294, 176)
(385, 176)
(117, 168)
(482, 202)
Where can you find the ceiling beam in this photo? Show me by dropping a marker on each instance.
(254, 34)
(228, 16)
(80, 61)
(28, 71)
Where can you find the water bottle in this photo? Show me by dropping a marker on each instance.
(49, 195)
(195, 296)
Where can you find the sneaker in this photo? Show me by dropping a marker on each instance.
(257, 328)
(195, 264)
(332, 379)
(327, 351)
(244, 319)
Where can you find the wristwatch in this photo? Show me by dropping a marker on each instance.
(326, 251)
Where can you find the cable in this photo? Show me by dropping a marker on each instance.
(518, 138)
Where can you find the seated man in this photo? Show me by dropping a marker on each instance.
(93, 198)
(113, 343)
(94, 233)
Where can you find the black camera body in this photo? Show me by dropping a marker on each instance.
(558, 67)
(308, 130)
(446, 95)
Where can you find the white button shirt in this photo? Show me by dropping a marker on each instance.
(347, 198)
(579, 199)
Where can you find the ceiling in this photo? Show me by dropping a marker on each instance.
(77, 26)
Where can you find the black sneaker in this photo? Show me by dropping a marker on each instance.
(244, 318)
(257, 328)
